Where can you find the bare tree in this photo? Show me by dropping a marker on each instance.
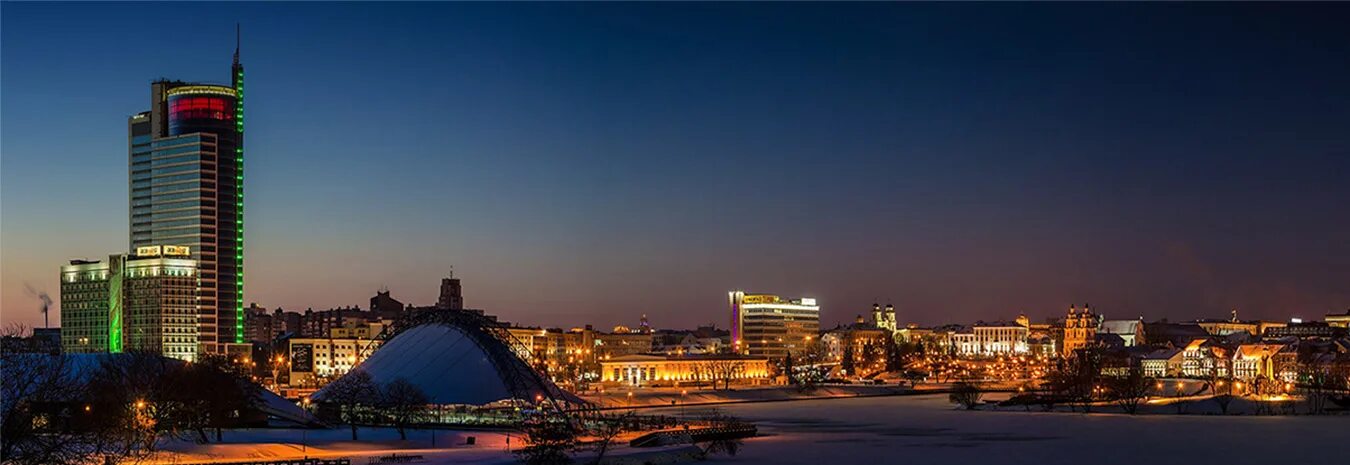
(352, 395)
(606, 430)
(221, 391)
(1130, 389)
(966, 395)
(32, 384)
(1075, 379)
(404, 403)
(1319, 381)
(550, 439)
(726, 371)
(1219, 379)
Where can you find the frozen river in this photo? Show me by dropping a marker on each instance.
(884, 430)
(877, 431)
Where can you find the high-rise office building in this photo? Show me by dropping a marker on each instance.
(145, 302)
(771, 326)
(187, 189)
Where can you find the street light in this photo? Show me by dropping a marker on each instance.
(682, 393)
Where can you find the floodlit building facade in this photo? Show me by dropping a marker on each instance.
(659, 370)
(884, 318)
(1162, 363)
(770, 326)
(144, 302)
(1000, 338)
(1203, 358)
(1339, 320)
(315, 360)
(1264, 361)
(1080, 329)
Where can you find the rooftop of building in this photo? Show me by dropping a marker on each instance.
(686, 357)
(997, 324)
(1121, 326)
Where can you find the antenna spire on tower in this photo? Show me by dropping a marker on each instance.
(236, 43)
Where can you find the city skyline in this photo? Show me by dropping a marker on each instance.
(596, 179)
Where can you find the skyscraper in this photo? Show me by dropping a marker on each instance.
(187, 189)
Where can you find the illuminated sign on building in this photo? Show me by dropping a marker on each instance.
(759, 299)
(302, 358)
(158, 250)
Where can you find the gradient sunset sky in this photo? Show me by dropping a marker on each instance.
(588, 163)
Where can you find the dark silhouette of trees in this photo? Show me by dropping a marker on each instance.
(221, 391)
(404, 404)
(605, 430)
(352, 396)
(726, 371)
(966, 395)
(550, 439)
(117, 411)
(31, 383)
(1219, 379)
(1318, 382)
(1130, 389)
(846, 362)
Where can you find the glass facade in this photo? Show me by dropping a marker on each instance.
(186, 176)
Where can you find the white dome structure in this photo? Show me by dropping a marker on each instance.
(458, 358)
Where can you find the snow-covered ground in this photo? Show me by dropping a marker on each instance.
(880, 430)
(876, 430)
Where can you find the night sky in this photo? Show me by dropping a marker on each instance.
(587, 163)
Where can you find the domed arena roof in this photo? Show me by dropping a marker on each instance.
(456, 357)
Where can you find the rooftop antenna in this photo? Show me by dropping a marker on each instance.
(236, 43)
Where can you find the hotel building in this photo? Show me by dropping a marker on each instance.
(770, 326)
(145, 302)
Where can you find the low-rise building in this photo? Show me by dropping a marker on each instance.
(1264, 361)
(1203, 358)
(864, 342)
(1339, 320)
(618, 345)
(1310, 329)
(662, 370)
(963, 344)
(1001, 338)
(1162, 363)
(312, 362)
(1131, 332)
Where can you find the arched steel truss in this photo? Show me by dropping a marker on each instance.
(523, 382)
